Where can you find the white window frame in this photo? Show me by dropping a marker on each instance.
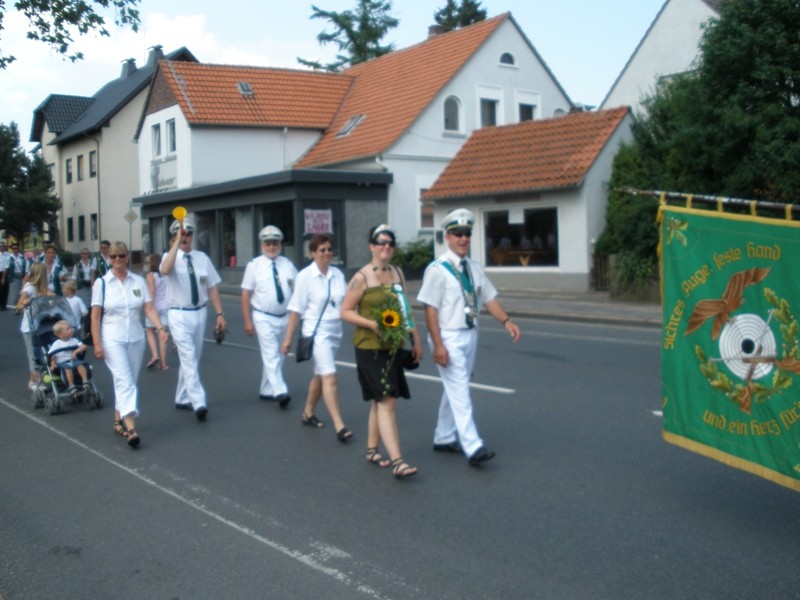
(155, 139)
(528, 97)
(490, 92)
(172, 143)
(459, 128)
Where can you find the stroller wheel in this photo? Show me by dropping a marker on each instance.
(97, 399)
(36, 399)
(53, 405)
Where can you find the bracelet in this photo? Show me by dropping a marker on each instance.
(506, 321)
(221, 315)
(162, 328)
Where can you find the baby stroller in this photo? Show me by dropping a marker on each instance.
(53, 394)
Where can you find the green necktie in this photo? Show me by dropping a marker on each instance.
(192, 280)
(278, 289)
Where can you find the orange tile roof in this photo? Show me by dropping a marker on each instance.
(209, 95)
(392, 91)
(534, 155)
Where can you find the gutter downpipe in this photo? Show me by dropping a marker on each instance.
(99, 220)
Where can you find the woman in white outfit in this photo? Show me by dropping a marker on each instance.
(317, 298)
(118, 298)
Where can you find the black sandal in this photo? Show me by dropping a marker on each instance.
(401, 469)
(120, 429)
(344, 434)
(312, 421)
(375, 458)
(133, 438)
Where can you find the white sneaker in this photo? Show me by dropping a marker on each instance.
(33, 386)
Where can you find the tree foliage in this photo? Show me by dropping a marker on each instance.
(455, 16)
(357, 33)
(729, 127)
(55, 23)
(26, 197)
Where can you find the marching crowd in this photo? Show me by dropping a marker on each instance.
(276, 302)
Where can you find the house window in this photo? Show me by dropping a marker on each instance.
(69, 229)
(155, 132)
(425, 211)
(349, 125)
(488, 112)
(93, 163)
(522, 238)
(452, 110)
(171, 144)
(526, 112)
(81, 228)
(68, 170)
(80, 167)
(93, 225)
(506, 58)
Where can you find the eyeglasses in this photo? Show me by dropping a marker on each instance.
(389, 243)
(325, 250)
(461, 232)
(271, 242)
(116, 256)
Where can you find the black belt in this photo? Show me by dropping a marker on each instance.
(187, 308)
(268, 313)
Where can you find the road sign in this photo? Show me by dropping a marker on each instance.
(130, 216)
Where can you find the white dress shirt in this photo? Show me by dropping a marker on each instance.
(179, 292)
(310, 292)
(258, 280)
(122, 306)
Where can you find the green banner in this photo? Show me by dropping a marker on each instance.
(731, 341)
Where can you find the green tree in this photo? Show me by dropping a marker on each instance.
(26, 197)
(454, 16)
(55, 23)
(357, 33)
(729, 127)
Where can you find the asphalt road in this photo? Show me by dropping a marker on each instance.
(584, 499)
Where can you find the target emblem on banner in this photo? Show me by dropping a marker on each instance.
(747, 346)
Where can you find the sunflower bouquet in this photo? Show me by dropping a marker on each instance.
(392, 330)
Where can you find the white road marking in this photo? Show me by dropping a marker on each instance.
(658, 413)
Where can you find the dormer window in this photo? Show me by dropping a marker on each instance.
(245, 89)
(506, 58)
(350, 125)
(452, 114)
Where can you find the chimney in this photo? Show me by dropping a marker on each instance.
(128, 68)
(434, 30)
(156, 54)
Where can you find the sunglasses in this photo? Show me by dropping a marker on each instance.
(271, 242)
(326, 250)
(389, 243)
(461, 233)
(116, 256)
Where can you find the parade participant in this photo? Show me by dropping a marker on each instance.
(118, 299)
(56, 274)
(82, 275)
(317, 297)
(453, 289)
(101, 263)
(157, 286)
(380, 371)
(266, 289)
(5, 259)
(191, 283)
(35, 286)
(17, 269)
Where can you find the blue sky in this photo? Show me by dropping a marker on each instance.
(584, 42)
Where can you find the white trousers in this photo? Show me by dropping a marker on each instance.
(455, 409)
(14, 290)
(270, 332)
(124, 360)
(187, 328)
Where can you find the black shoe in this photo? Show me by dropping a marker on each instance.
(184, 407)
(481, 455)
(266, 398)
(201, 413)
(283, 400)
(451, 447)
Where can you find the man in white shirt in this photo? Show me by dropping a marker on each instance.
(191, 284)
(266, 289)
(15, 272)
(453, 289)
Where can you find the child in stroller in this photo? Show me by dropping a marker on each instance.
(64, 353)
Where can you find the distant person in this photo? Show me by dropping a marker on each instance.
(453, 289)
(56, 274)
(101, 263)
(17, 269)
(5, 259)
(82, 275)
(267, 287)
(34, 287)
(77, 305)
(157, 286)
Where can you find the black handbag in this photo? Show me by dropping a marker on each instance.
(305, 344)
(407, 359)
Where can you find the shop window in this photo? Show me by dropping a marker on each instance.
(522, 238)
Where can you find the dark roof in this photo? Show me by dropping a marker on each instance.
(114, 95)
(716, 5)
(58, 112)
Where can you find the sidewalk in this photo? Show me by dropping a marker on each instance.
(590, 307)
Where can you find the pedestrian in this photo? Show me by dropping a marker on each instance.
(5, 259)
(77, 305)
(118, 299)
(82, 275)
(453, 289)
(56, 274)
(35, 286)
(17, 269)
(267, 287)
(376, 293)
(101, 263)
(191, 284)
(316, 300)
(157, 286)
